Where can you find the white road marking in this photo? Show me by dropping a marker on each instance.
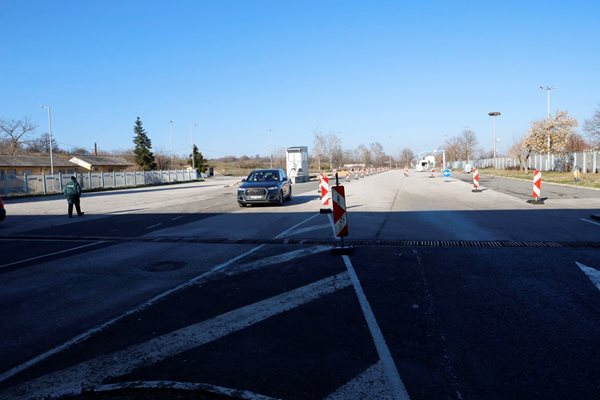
(309, 229)
(280, 258)
(154, 226)
(370, 385)
(49, 255)
(176, 218)
(588, 221)
(591, 273)
(391, 372)
(93, 331)
(389, 367)
(205, 387)
(287, 231)
(94, 372)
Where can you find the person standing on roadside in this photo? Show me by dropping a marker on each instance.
(73, 193)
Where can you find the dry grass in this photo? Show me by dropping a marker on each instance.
(567, 178)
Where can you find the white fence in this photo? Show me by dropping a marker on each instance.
(587, 162)
(15, 185)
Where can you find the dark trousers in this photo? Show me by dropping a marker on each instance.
(74, 200)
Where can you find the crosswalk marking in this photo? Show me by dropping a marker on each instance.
(94, 372)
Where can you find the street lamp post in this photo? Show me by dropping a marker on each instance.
(548, 89)
(270, 149)
(494, 114)
(50, 137)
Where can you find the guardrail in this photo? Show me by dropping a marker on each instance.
(18, 185)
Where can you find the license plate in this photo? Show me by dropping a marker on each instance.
(255, 197)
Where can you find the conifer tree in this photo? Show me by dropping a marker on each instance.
(199, 162)
(143, 146)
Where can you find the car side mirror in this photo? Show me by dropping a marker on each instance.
(244, 180)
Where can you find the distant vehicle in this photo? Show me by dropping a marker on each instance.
(265, 186)
(2, 210)
(426, 163)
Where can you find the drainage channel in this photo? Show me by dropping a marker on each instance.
(332, 242)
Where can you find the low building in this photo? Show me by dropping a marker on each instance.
(29, 164)
(36, 164)
(101, 163)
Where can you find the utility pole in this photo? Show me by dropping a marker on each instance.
(548, 89)
(50, 137)
(494, 114)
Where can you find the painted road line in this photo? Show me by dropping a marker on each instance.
(589, 222)
(309, 229)
(591, 273)
(278, 259)
(369, 385)
(97, 329)
(391, 372)
(176, 218)
(289, 230)
(94, 372)
(389, 367)
(49, 255)
(154, 226)
(183, 386)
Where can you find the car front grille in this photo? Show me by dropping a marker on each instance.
(256, 192)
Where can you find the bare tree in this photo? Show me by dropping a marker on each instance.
(378, 153)
(461, 147)
(452, 146)
(469, 143)
(42, 144)
(334, 150)
(319, 147)
(406, 157)
(576, 143)
(521, 151)
(365, 155)
(592, 127)
(15, 132)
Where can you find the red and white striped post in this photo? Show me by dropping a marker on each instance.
(537, 188)
(340, 220)
(325, 194)
(475, 181)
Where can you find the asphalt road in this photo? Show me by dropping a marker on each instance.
(448, 294)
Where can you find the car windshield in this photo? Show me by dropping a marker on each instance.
(263, 176)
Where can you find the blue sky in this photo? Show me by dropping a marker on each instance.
(405, 74)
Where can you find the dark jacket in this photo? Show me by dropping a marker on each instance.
(72, 190)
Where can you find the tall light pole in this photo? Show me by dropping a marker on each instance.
(494, 114)
(50, 137)
(270, 149)
(548, 89)
(192, 142)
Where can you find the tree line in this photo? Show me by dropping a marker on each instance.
(17, 136)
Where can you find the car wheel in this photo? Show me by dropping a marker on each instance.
(280, 199)
(289, 196)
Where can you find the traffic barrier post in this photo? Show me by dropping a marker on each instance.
(537, 188)
(325, 194)
(340, 220)
(475, 181)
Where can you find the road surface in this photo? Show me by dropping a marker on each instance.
(448, 294)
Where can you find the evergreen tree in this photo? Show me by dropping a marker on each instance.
(143, 156)
(199, 162)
